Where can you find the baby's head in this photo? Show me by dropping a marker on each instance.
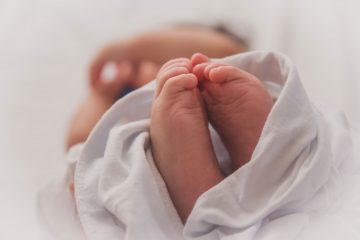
(215, 42)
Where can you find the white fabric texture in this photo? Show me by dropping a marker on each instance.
(46, 47)
(296, 185)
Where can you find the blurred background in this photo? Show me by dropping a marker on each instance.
(46, 47)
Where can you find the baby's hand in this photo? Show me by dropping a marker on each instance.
(115, 54)
(120, 68)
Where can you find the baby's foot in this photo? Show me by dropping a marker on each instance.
(180, 137)
(237, 104)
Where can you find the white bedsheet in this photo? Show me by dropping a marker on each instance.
(292, 188)
(45, 47)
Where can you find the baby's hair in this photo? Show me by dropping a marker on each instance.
(219, 28)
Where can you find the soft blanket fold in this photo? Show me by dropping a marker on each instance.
(295, 177)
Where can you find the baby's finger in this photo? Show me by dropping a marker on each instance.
(125, 72)
(95, 72)
(96, 68)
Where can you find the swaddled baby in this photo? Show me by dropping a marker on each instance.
(190, 93)
(151, 160)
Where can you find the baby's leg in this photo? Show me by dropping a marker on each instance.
(180, 137)
(238, 105)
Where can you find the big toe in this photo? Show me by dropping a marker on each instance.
(218, 73)
(179, 84)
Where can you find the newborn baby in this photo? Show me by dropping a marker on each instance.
(149, 160)
(153, 167)
(190, 93)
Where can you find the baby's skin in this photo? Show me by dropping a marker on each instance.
(180, 136)
(189, 94)
(237, 104)
(102, 94)
(100, 97)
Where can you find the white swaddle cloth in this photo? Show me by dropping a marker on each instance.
(294, 181)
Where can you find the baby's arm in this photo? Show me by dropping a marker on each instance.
(85, 118)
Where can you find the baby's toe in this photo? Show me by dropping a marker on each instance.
(171, 69)
(164, 76)
(218, 73)
(202, 70)
(178, 84)
(178, 62)
(198, 58)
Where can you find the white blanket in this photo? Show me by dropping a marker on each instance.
(47, 45)
(296, 186)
